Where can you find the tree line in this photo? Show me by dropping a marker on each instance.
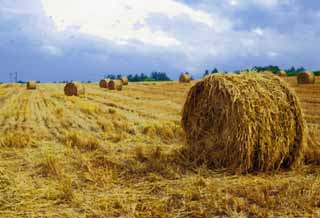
(274, 69)
(154, 76)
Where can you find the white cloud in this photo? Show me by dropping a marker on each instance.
(258, 31)
(51, 50)
(267, 4)
(233, 2)
(116, 20)
(272, 54)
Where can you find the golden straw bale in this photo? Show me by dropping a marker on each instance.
(246, 122)
(104, 83)
(31, 85)
(306, 77)
(115, 85)
(74, 89)
(124, 80)
(184, 78)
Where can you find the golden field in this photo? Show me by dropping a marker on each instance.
(116, 154)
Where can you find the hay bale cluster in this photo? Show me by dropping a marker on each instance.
(306, 77)
(115, 85)
(74, 89)
(31, 85)
(247, 122)
(185, 78)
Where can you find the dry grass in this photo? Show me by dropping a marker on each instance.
(118, 154)
(81, 140)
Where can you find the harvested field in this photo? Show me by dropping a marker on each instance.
(118, 154)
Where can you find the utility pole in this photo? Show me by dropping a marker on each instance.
(14, 77)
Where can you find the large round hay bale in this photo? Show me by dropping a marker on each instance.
(247, 122)
(31, 85)
(74, 89)
(282, 73)
(306, 77)
(124, 80)
(185, 78)
(115, 85)
(104, 83)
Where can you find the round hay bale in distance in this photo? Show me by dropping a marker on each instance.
(282, 73)
(185, 78)
(31, 85)
(74, 89)
(306, 77)
(104, 83)
(247, 122)
(115, 85)
(124, 80)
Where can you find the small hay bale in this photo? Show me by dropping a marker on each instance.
(31, 85)
(282, 73)
(306, 77)
(124, 80)
(184, 78)
(247, 122)
(115, 85)
(74, 89)
(104, 83)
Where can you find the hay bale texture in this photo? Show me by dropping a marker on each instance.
(104, 83)
(184, 78)
(31, 85)
(115, 85)
(306, 77)
(124, 80)
(247, 122)
(74, 89)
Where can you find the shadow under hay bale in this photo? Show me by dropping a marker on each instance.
(74, 89)
(247, 122)
(104, 83)
(306, 77)
(115, 85)
(184, 78)
(31, 85)
(124, 80)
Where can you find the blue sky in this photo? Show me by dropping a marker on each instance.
(52, 40)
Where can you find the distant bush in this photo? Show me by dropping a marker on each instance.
(206, 73)
(316, 73)
(149, 79)
(273, 69)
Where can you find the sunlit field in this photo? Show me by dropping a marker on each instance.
(117, 154)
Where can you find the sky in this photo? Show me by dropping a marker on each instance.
(54, 40)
